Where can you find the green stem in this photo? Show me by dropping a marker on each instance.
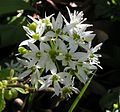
(58, 68)
(22, 86)
(31, 90)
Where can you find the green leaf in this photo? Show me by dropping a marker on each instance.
(8, 6)
(12, 33)
(2, 101)
(80, 95)
(21, 90)
(4, 73)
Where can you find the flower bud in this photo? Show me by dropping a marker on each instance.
(8, 94)
(115, 105)
(22, 50)
(32, 26)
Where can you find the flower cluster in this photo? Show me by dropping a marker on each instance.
(58, 52)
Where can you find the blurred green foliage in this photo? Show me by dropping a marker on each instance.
(107, 9)
(12, 18)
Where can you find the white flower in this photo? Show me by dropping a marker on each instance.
(94, 58)
(67, 57)
(37, 31)
(76, 19)
(69, 88)
(35, 55)
(33, 70)
(34, 35)
(41, 57)
(56, 28)
(86, 36)
(16, 65)
(58, 23)
(76, 30)
(47, 21)
(35, 75)
(50, 55)
(55, 79)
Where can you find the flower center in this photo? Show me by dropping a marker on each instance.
(38, 55)
(32, 26)
(35, 36)
(46, 20)
(52, 53)
(58, 31)
(55, 78)
(75, 36)
(68, 57)
(33, 68)
(66, 90)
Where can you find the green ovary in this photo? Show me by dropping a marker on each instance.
(35, 36)
(52, 53)
(68, 57)
(55, 78)
(38, 55)
(32, 26)
(66, 90)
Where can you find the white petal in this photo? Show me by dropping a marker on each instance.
(60, 57)
(81, 75)
(57, 88)
(89, 37)
(44, 47)
(24, 74)
(50, 34)
(50, 65)
(34, 20)
(61, 45)
(24, 62)
(73, 46)
(69, 13)
(42, 61)
(59, 21)
(25, 42)
(80, 56)
(33, 47)
(29, 55)
(89, 66)
(96, 48)
(53, 22)
(44, 38)
(40, 29)
(29, 32)
(72, 64)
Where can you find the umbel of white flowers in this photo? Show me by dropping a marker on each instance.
(58, 52)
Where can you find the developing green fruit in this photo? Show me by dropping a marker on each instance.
(4, 82)
(35, 36)
(8, 94)
(14, 93)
